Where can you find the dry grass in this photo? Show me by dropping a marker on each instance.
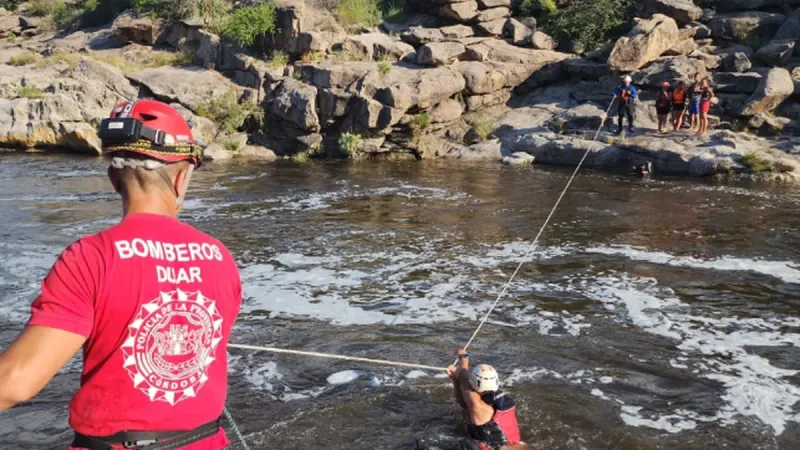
(24, 59)
(29, 92)
(155, 59)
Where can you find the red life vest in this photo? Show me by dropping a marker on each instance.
(503, 429)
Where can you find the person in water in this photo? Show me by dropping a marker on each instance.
(678, 105)
(706, 95)
(627, 95)
(489, 412)
(695, 96)
(150, 300)
(663, 106)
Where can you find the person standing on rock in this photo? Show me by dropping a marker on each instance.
(150, 300)
(678, 105)
(706, 95)
(627, 95)
(695, 95)
(663, 106)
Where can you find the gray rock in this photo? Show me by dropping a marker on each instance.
(519, 159)
(529, 22)
(478, 102)
(376, 46)
(439, 53)
(542, 41)
(481, 78)
(766, 125)
(711, 62)
(215, 152)
(672, 70)
(682, 48)
(487, 15)
(736, 62)
(491, 28)
(296, 103)
(460, 12)
(774, 88)
(776, 53)
(737, 83)
(486, 4)
(500, 51)
(751, 5)
(54, 120)
(332, 103)
(587, 69)
(790, 30)
(256, 152)
(28, 23)
(701, 31)
(735, 48)
(517, 33)
(646, 42)
(407, 87)
(737, 26)
(796, 79)
(128, 28)
(189, 86)
(708, 15)
(446, 111)
(683, 11)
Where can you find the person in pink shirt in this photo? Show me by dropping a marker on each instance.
(151, 301)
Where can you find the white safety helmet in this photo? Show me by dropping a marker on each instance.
(483, 378)
(627, 79)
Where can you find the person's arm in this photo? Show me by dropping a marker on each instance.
(62, 318)
(452, 371)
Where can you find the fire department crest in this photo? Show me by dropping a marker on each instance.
(171, 343)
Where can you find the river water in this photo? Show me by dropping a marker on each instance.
(656, 314)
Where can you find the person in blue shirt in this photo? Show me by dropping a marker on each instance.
(627, 95)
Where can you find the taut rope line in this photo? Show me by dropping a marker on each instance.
(329, 355)
(535, 242)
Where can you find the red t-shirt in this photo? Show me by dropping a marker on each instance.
(156, 300)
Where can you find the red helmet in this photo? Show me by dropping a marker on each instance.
(150, 128)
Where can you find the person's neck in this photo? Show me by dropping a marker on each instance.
(147, 204)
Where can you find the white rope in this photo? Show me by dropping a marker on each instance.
(535, 242)
(329, 355)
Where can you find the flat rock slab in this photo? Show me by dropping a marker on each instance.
(189, 86)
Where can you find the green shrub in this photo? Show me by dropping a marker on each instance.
(393, 11)
(226, 111)
(29, 92)
(247, 26)
(529, 8)
(420, 123)
(483, 129)
(10, 5)
(165, 9)
(42, 8)
(213, 13)
(278, 59)
(592, 23)
(101, 12)
(300, 157)
(359, 12)
(231, 146)
(23, 59)
(757, 163)
(755, 40)
(349, 143)
(384, 67)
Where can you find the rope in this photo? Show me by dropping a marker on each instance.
(535, 242)
(328, 355)
(235, 428)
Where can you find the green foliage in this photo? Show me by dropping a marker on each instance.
(757, 163)
(393, 11)
(483, 129)
(590, 22)
(226, 111)
(278, 59)
(42, 8)
(23, 59)
(384, 67)
(298, 74)
(755, 40)
(231, 146)
(359, 12)
(300, 157)
(213, 13)
(247, 26)
(349, 143)
(29, 92)
(420, 123)
(10, 5)
(69, 59)
(529, 8)
(165, 9)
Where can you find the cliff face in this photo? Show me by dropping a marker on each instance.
(457, 79)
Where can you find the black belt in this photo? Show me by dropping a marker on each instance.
(147, 440)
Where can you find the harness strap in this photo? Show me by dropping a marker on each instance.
(147, 440)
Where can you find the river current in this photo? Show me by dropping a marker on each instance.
(656, 314)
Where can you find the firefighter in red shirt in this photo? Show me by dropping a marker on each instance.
(151, 301)
(489, 412)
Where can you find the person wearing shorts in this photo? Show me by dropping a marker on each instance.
(663, 106)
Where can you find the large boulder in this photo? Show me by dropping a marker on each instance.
(421, 36)
(487, 15)
(646, 42)
(738, 26)
(129, 28)
(486, 4)
(439, 53)
(790, 30)
(404, 88)
(501, 51)
(478, 102)
(736, 62)
(446, 111)
(516, 32)
(542, 41)
(9, 23)
(460, 12)
(189, 86)
(481, 78)
(737, 83)
(296, 102)
(376, 46)
(672, 70)
(776, 53)
(587, 69)
(774, 88)
(683, 11)
(796, 79)
(682, 48)
(491, 28)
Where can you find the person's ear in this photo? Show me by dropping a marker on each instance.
(112, 177)
(180, 176)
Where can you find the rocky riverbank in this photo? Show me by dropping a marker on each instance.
(456, 79)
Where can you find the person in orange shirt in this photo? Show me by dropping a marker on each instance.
(679, 95)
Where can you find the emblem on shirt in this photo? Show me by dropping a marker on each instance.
(171, 343)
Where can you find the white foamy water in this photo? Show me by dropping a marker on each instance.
(788, 271)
